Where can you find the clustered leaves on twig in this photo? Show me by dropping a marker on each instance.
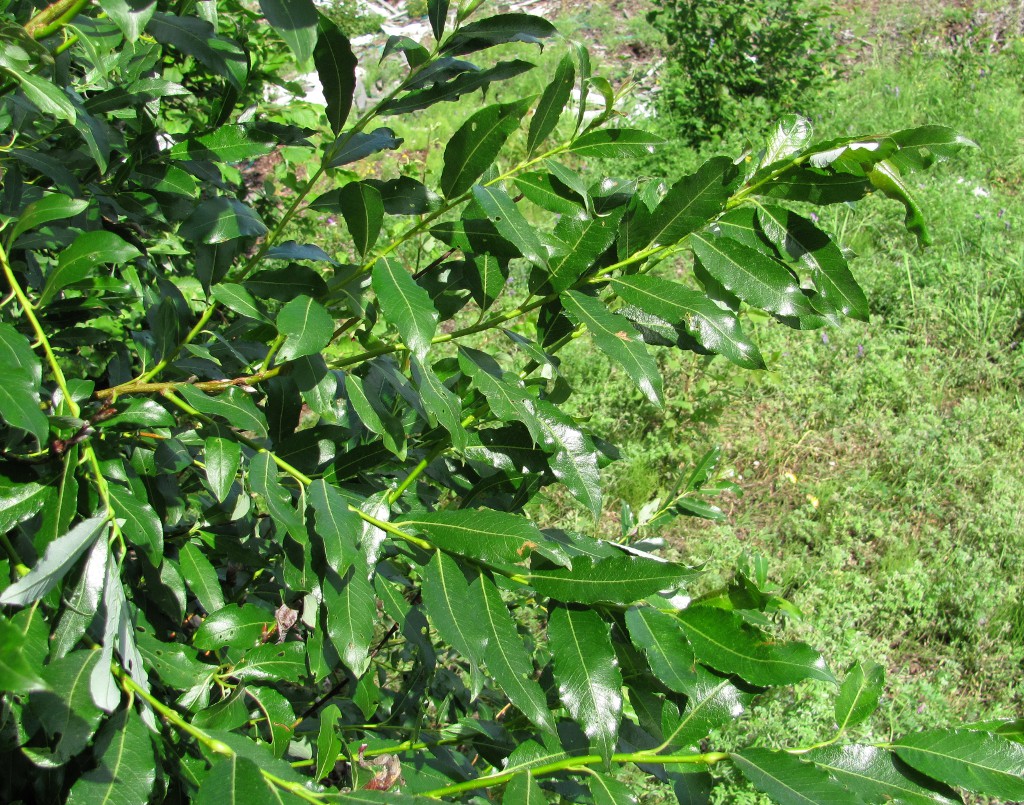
(263, 504)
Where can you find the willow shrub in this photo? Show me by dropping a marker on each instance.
(262, 504)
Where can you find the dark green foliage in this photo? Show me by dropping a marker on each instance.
(736, 64)
(263, 509)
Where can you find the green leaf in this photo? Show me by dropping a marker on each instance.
(328, 742)
(492, 537)
(222, 458)
(51, 207)
(201, 577)
(473, 148)
(336, 69)
(405, 305)
(711, 702)
(790, 781)
(587, 674)
(660, 636)
(363, 210)
(19, 407)
(838, 291)
(141, 525)
(272, 662)
(605, 790)
(510, 222)
(20, 499)
(82, 602)
(859, 694)
(405, 196)
(237, 780)
(234, 626)
(351, 613)
(879, 776)
(144, 413)
(68, 713)
(552, 102)
(131, 16)
(447, 601)
(336, 525)
(728, 644)
(307, 325)
(441, 403)
(90, 249)
(616, 338)
(537, 187)
(234, 405)
(689, 204)
(60, 556)
(437, 13)
(616, 580)
(198, 38)
(47, 97)
(221, 219)
(790, 134)
(978, 761)
(497, 30)
(16, 670)
(815, 186)
(372, 414)
(715, 329)
(295, 22)
(17, 358)
(885, 176)
(506, 658)
(127, 768)
(265, 481)
(610, 143)
(756, 279)
(351, 146)
(228, 144)
(523, 790)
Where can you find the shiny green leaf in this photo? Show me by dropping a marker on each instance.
(295, 22)
(60, 556)
(307, 325)
(618, 340)
(490, 536)
(859, 694)
(235, 297)
(328, 742)
(790, 781)
(233, 626)
(336, 525)
(198, 38)
(336, 69)
(727, 643)
(272, 662)
(351, 614)
(715, 329)
(141, 524)
(756, 279)
(879, 776)
(498, 30)
(510, 222)
(353, 146)
(221, 219)
(51, 207)
(616, 580)
(505, 656)
(363, 210)
(473, 148)
(78, 261)
(222, 458)
(17, 673)
(587, 674)
(201, 577)
(838, 291)
(447, 601)
(552, 102)
(405, 305)
(127, 767)
(978, 761)
(234, 405)
(610, 143)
